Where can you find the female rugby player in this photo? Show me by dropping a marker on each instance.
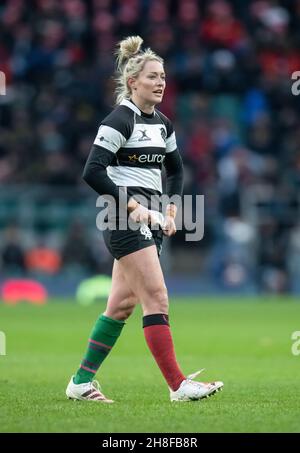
(126, 159)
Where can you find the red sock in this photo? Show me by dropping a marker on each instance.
(159, 339)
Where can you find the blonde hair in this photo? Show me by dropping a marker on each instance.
(130, 62)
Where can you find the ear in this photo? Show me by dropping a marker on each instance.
(131, 83)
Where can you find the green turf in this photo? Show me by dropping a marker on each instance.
(246, 344)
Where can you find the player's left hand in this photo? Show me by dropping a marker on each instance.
(169, 227)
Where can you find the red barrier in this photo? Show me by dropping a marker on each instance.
(15, 291)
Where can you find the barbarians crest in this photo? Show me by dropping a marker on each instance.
(145, 231)
(163, 134)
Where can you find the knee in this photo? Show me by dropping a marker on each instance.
(159, 300)
(123, 310)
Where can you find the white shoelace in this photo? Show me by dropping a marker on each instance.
(193, 375)
(97, 388)
(95, 384)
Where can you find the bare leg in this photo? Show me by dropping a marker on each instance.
(122, 300)
(108, 327)
(144, 276)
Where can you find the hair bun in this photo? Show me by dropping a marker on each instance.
(128, 48)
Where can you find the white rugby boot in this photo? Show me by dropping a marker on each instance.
(88, 391)
(190, 390)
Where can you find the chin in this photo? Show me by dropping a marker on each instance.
(158, 100)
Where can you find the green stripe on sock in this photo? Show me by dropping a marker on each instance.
(106, 331)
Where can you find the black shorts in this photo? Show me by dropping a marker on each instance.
(123, 242)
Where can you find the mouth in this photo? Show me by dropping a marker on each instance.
(158, 92)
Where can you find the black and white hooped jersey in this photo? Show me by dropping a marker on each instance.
(132, 146)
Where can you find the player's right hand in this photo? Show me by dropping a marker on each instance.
(141, 215)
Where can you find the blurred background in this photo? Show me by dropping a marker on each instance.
(229, 66)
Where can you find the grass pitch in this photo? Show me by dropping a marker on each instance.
(246, 343)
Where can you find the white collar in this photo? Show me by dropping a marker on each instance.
(131, 106)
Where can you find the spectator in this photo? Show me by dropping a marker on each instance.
(42, 259)
(76, 251)
(12, 253)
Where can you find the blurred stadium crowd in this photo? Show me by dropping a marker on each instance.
(229, 66)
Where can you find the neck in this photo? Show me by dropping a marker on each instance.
(143, 106)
